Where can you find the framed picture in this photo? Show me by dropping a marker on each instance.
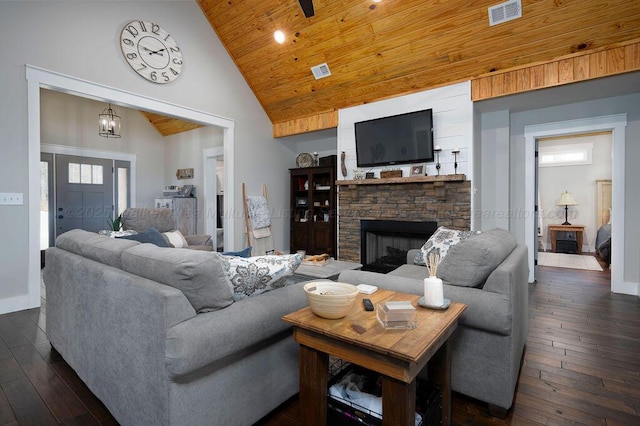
(301, 202)
(186, 190)
(417, 170)
(184, 173)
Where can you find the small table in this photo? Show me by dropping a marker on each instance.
(398, 355)
(554, 229)
(329, 270)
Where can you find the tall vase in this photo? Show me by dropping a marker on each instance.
(343, 166)
(433, 291)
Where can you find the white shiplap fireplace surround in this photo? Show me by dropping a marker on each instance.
(435, 195)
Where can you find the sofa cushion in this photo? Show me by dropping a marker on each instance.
(199, 275)
(217, 339)
(142, 218)
(441, 241)
(250, 276)
(93, 246)
(151, 236)
(471, 261)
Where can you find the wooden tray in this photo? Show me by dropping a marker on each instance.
(317, 262)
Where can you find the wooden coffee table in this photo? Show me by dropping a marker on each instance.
(398, 355)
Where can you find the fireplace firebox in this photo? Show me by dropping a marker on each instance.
(384, 243)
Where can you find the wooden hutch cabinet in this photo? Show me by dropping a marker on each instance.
(313, 210)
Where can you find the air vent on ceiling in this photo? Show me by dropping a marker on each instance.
(504, 12)
(321, 71)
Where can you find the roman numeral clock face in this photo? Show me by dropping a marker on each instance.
(151, 51)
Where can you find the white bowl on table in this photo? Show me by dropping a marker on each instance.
(329, 299)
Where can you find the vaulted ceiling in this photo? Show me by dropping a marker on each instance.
(377, 50)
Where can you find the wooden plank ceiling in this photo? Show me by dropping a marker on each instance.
(168, 125)
(377, 50)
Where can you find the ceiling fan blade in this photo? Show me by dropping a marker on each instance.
(307, 7)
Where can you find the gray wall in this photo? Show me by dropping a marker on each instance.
(629, 104)
(81, 39)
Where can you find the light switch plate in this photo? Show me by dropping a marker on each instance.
(11, 198)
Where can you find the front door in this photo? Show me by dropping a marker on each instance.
(84, 193)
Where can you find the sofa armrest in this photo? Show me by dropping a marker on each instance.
(485, 310)
(411, 256)
(240, 328)
(199, 240)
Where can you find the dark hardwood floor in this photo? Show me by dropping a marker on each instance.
(581, 364)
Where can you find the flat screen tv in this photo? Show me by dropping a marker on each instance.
(398, 139)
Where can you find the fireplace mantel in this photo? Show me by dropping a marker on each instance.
(410, 179)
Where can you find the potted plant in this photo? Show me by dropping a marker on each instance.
(114, 224)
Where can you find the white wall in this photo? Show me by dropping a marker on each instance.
(452, 124)
(580, 180)
(81, 39)
(183, 151)
(72, 121)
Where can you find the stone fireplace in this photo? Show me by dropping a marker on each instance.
(444, 200)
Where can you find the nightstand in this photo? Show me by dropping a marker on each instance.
(554, 229)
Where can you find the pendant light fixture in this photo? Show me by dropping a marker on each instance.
(109, 123)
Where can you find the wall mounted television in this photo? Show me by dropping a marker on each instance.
(398, 139)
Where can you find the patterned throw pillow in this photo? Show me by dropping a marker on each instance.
(251, 276)
(441, 241)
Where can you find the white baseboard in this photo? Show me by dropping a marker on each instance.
(18, 303)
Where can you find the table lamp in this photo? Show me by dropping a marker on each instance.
(566, 200)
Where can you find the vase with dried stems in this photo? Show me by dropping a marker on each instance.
(433, 289)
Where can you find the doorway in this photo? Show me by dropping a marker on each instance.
(216, 176)
(572, 212)
(616, 125)
(84, 193)
(46, 204)
(38, 79)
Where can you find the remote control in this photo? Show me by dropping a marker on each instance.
(368, 306)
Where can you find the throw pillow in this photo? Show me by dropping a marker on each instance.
(470, 263)
(441, 241)
(251, 276)
(151, 235)
(176, 239)
(242, 253)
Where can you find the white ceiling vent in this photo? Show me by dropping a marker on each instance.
(504, 12)
(321, 71)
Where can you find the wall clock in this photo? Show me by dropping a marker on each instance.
(151, 51)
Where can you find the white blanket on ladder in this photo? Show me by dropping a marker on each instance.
(259, 216)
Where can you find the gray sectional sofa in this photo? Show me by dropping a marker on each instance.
(116, 314)
(489, 273)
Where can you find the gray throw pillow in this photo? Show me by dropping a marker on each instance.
(151, 236)
(198, 274)
(471, 261)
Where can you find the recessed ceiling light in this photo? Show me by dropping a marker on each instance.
(279, 36)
